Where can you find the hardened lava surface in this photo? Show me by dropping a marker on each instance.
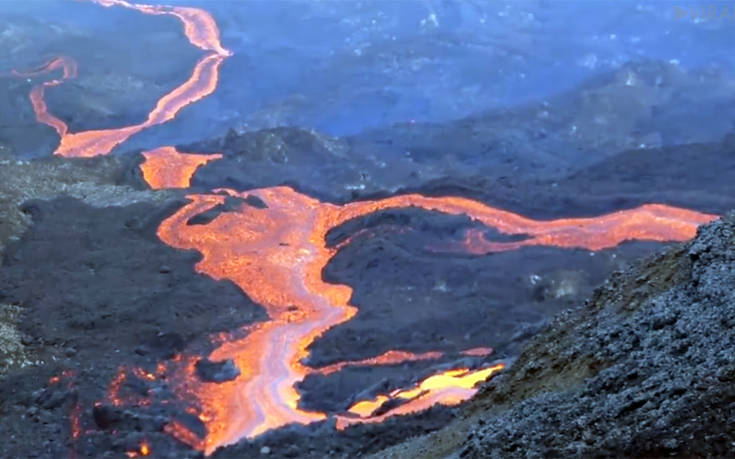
(121, 298)
(644, 369)
(104, 292)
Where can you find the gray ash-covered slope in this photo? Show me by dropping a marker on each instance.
(645, 368)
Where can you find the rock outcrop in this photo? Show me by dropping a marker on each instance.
(645, 368)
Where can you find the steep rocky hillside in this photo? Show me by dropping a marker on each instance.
(644, 368)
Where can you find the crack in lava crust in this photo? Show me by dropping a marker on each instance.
(277, 254)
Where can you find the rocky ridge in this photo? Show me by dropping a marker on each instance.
(644, 368)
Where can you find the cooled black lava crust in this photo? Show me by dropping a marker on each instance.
(99, 290)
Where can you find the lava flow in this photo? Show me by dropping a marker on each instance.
(276, 254)
(201, 31)
(69, 70)
(165, 167)
(448, 388)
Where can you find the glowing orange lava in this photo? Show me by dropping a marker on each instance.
(75, 420)
(165, 167)
(201, 31)
(649, 222)
(276, 255)
(448, 388)
(388, 358)
(69, 70)
(143, 450)
(478, 351)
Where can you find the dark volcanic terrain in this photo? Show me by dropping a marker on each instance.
(91, 300)
(104, 293)
(95, 309)
(644, 368)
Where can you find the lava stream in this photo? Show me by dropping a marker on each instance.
(448, 388)
(201, 31)
(277, 254)
(649, 222)
(69, 70)
(388, 358)
(165, 167)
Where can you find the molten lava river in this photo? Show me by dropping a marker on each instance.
(276, 253)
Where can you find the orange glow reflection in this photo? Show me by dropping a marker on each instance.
(478, 351)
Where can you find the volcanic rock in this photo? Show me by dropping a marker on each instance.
(106, 416)
(645, 368)
(231, 204)
(256, 202)
(112, 417)
(53, 397)
(217, 371)
(93, 181)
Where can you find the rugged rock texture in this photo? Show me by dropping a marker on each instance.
(88, 290)
(96, 181)
(645, 368)
(12, 349)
